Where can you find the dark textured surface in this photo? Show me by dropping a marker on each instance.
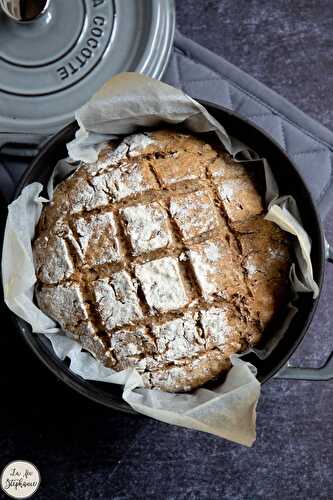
(85, 451)
(287, 44)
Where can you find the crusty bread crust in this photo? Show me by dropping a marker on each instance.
(158, 257)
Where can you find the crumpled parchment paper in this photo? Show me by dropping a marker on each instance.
(125, 104)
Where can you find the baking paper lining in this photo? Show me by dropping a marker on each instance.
(125, 104)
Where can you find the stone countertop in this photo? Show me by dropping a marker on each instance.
(85, 451)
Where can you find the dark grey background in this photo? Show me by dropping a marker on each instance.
(287, 44)
(85, 451)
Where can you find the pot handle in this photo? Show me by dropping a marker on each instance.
(323, 373)
(297, 373)
(21, 145)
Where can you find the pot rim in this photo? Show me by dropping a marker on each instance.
(92, 389)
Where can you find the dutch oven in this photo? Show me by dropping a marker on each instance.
(289, 181)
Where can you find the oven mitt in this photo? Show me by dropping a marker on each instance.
(202, 74)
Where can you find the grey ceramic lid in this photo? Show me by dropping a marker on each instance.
(50, 66)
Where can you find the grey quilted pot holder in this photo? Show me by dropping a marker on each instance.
(202, 74)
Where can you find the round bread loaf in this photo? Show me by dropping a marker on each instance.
(158, 257)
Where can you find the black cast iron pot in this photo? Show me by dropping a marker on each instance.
(289, 182)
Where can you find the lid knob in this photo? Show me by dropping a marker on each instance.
(24, 10)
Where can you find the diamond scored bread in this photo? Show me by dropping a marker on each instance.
(158, 257)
